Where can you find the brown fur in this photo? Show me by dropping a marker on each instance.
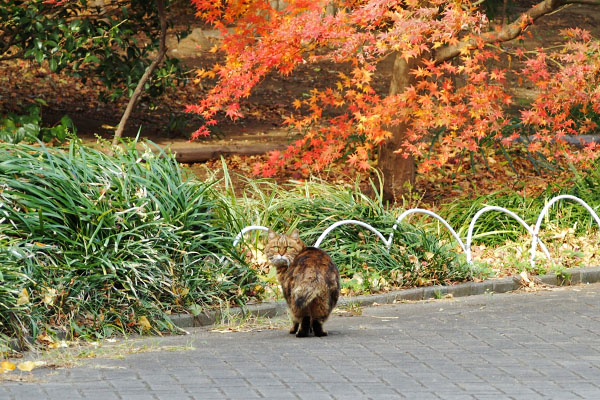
(309, 279)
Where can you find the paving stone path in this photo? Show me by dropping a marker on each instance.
(534, 345)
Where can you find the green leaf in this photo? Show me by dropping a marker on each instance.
(53, 64)
(195, 309)
(39, 56)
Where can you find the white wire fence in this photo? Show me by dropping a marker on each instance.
(533, 230)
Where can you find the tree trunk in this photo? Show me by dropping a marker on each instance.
(504, 13)
(397, 171)
(147, 74)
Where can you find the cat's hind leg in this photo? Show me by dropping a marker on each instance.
(304, 327)
(317, 327)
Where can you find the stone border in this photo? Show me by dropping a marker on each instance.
(572, 276)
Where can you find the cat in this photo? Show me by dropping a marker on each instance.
(309, 279)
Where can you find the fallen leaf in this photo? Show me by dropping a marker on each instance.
(49, 296)
(23, 297)
(26, 366)
(45, 339)
(524, 277)
(144, 323)
(6, 366)
(58, 345)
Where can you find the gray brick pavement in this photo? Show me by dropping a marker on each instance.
(502, 346)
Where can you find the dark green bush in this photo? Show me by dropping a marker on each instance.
(28, 128)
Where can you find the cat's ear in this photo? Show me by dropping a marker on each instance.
(295, 234)
(272, 234)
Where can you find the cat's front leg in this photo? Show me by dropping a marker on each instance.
(304, 327)
(317, 327)
(294, 328)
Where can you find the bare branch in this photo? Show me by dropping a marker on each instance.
(147, 74)
(510, 31)
(12, 56)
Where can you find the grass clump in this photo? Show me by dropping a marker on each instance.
(502, 245)
(419, 255)
(496, 228)
(416, 258)
(93, 244)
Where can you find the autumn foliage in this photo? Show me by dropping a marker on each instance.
(569, 95)
(459, 96)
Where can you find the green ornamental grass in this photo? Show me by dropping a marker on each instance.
(417, 257)
(93, 243)
(495, 228)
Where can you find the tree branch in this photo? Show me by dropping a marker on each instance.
(18, 54)
(147, 74)
(510, 31)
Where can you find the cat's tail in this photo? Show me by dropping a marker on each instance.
(305, 292)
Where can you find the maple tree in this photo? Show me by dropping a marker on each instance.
(445, 97)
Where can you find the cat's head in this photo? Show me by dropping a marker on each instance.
(282, 249)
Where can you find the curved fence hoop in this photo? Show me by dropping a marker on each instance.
(510, 213)
(240, 235)
(466, 247)
(347, 222)
(247, 229)
(431, 214)
(545, 210)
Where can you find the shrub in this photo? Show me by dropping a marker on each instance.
(28, 128)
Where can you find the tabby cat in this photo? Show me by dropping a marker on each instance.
(309, 279)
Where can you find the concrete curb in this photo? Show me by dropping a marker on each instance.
(571, 276)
